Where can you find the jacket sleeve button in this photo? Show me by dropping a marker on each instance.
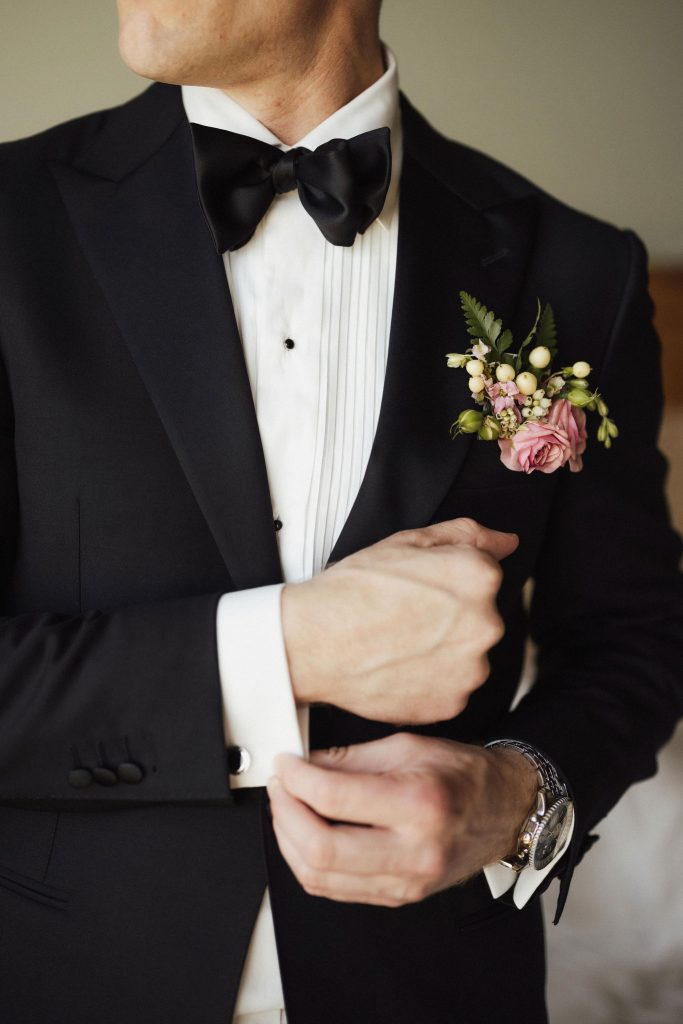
(130, 772)
(105, 776)
(79, 778)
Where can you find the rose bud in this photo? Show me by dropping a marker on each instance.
(526, 382)
(540, 357)
(505, 373)
(469, 421)
(476, 385)
(580, 398)
(474, 367)
(489, 430)
(581, 369)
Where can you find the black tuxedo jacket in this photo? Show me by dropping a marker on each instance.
(134, 493)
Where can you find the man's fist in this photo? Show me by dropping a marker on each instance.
(393, 821)
(399, 631)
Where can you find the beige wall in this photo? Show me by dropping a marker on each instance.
(583, 96)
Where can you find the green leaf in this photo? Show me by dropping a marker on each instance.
(546, 332)
(504, 342)
(481, 322)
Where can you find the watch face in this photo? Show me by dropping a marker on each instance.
(552, 834)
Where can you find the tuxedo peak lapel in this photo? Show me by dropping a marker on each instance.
(449, 240)
(132, 199)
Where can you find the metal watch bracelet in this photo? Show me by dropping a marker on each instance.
(550, 818)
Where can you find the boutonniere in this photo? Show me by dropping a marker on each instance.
(535, 413)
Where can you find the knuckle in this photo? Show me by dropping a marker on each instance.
(407, 744)
(318, 852)
(309, 879)
(410, 536)
(393, 902)
(418, 891)
(337, 754)
(413, 892)
(432, 862)
(477, 673)
(497, 629)
(490, 573)
(430, 799)
(457, 709)
(323, 793)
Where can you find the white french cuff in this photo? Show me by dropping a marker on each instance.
(260, 714)
(500, 879)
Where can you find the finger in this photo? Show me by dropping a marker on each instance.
(363, 798)
(468, 531)
(377, 890)
(398, 752)
(494, 542)
(349, 849)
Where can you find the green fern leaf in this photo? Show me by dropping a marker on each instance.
(504, 342)
(546, 333)
(481, 322)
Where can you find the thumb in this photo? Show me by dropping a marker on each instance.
(494, 542)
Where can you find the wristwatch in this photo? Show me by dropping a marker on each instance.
(544, 833)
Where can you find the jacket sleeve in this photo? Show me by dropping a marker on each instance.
(607, 609)
(99, 709)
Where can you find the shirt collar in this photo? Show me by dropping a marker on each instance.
(375, 107)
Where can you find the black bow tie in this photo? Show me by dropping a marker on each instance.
(342, 184)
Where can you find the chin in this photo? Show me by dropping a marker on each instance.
(144, 48)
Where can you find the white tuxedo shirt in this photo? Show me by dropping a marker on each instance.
(314, 322)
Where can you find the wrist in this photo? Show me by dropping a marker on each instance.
(296, 632)
(517, 784)
(547, 828)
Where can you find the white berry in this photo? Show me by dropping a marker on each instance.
(540, 357)
(474, 367)
(526, 382)
(505, 373)
(581, 369)
(476, 385)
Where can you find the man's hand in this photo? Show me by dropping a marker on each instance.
(399, 631)
(393, 821)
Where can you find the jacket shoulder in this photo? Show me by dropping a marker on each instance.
(65, 142)
(486, 182)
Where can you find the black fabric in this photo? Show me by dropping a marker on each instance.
(134, 493)
(342, 184)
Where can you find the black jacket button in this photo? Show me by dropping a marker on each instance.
(105, 776)
(130, 772)
(79, 778)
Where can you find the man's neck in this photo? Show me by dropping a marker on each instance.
(303, 92)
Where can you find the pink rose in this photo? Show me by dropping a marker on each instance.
(550, 445)
(573, 421)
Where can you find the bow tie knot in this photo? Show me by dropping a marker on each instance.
(283, 171)
(342, 184)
